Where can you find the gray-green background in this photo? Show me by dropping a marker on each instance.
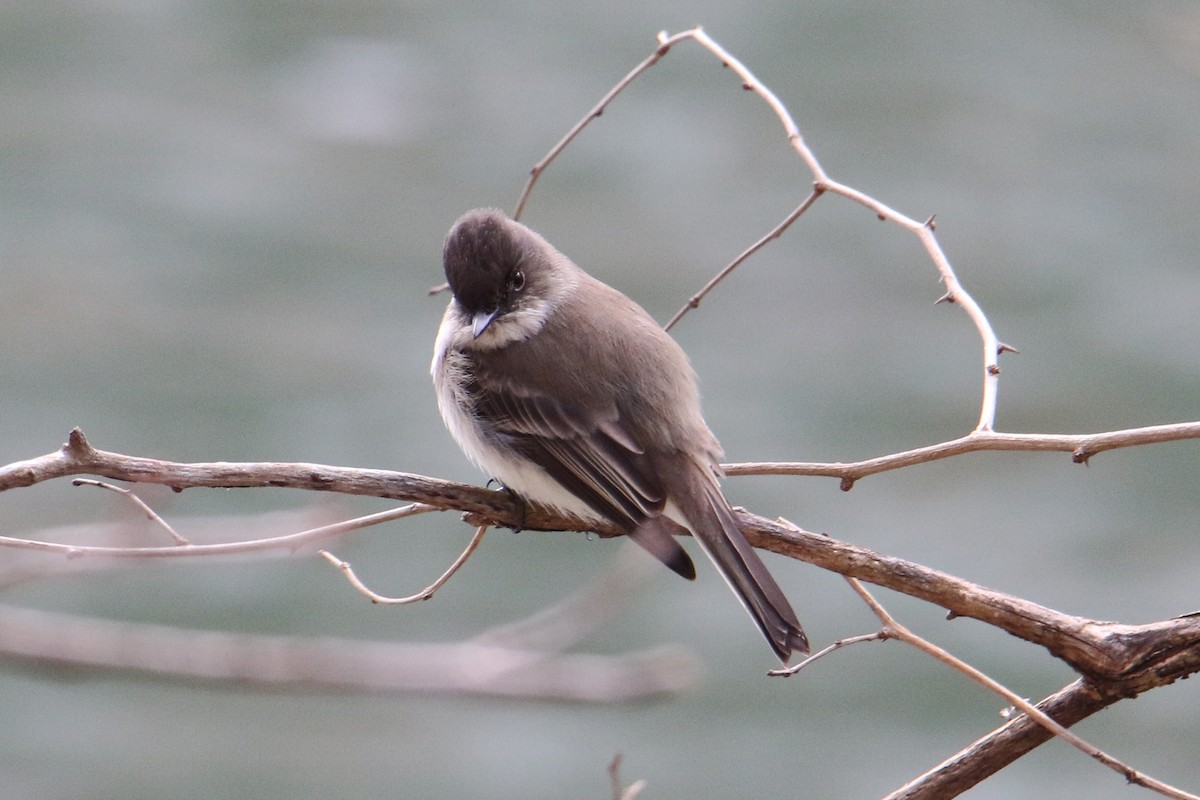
(218, 221)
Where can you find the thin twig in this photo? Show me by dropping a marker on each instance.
(775, 233)
(291, 541)
(664, 45)
(877, 636)
(137, 501)
(425, 593)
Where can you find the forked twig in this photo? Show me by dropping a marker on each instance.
(894, 630)
(822, 183)
(425, 593)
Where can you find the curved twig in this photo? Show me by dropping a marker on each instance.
(420, 596)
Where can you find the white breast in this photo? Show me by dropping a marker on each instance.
(513, 471)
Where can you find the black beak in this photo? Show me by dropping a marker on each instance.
(481, 321)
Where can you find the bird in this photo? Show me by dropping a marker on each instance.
(571, 396)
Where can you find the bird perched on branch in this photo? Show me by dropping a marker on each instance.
(569, 394)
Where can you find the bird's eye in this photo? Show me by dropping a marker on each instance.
(517, 281)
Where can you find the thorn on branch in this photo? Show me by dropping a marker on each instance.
(1003, 348)
(948, 297)
(931, 223)
(993, 369)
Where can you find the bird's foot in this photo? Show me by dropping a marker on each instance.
(518, 501)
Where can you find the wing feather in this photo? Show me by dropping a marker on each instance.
(591, 451)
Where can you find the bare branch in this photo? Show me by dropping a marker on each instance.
(470, 667)
(923, 230)
(1103, 649)
(894, 630)
(822, 183)
(1081, 446)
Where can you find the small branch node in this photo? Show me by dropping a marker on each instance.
(77, 446)
(931, 223)
(993, 369)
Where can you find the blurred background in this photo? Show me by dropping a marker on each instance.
(218, 223)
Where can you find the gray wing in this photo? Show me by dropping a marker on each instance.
(592, 453)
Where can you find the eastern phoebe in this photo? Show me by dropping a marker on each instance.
(569, 394)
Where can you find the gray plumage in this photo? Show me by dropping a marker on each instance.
(568, 393)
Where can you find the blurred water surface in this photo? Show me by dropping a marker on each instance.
(218, 222)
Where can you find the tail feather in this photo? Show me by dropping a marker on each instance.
(712, 523)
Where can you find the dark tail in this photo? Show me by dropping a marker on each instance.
(714, 527)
